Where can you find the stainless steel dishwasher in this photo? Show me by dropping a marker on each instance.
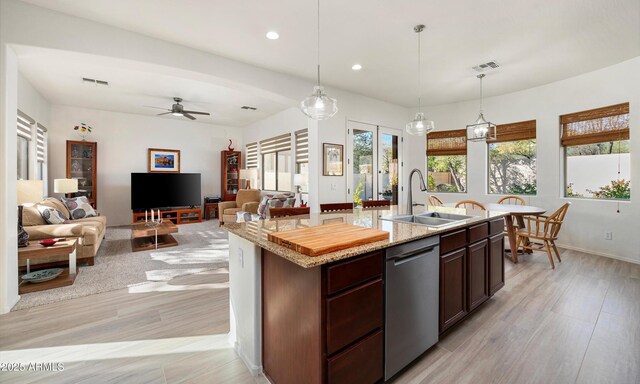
(411, 293)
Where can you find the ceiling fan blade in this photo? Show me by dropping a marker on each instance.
(197, 113)
(188, 115)
(149, 106)
(166, 113)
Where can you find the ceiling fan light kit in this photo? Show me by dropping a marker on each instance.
(481, 129)
(319, 106)
(420, 125)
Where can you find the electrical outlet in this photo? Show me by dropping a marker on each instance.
(608, 235)
(241, 257)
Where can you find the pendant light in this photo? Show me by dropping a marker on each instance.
(319, 106)
(481, 129)
(420, 125)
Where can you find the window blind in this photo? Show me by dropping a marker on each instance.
(302, 146)
(41, 142)
(596, 125)
(252, 155)
(523, 130)
(447, 143)
(24, 125)
(276, 144)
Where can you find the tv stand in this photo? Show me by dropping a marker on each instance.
(175, 215)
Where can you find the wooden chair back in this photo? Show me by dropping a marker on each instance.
(470, 204)
(513, 200)
(335, 207)
(546, 227)
(283, 212)
(435, 201)
(376, 203)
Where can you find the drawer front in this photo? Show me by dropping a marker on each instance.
(496, 227)
(353, 314)
(478, 232)
(353, 272)
(361, 363)
(452, 241)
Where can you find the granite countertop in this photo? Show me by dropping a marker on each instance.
(257, 231)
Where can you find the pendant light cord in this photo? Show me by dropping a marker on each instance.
(419, 75)
(481, 76)
(318, 50)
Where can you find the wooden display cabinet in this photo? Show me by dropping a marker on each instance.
(230, 163)
(82, 164)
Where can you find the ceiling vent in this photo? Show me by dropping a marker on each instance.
(486, 66)
(248, 108)
(95, 82)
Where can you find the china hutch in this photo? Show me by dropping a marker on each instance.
(231, 162)
(82, 165)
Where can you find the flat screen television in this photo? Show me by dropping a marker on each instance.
(165, 190)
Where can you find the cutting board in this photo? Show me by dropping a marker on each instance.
(316, 241)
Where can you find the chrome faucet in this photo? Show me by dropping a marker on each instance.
(423, 188)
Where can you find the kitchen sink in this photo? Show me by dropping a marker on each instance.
(430, 219)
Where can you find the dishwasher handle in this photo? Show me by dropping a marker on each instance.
(411, 255)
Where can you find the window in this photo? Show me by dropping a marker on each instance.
(41, 152)
(252, 155)
(24, 139)
(447, 161)
(512, 159)
(596, 149)
(302, 158)
(276, 163)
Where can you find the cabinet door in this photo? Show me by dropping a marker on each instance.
(478, 266)
(453, 288)
(496, 263)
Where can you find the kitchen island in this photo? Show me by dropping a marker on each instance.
(322, 319)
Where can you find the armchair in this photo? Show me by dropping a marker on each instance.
(247, 200)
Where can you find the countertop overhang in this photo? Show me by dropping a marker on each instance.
(257, 231)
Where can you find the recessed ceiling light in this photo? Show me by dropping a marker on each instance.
(356, 67)
(272, 35)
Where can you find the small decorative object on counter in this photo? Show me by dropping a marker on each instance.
(83, 130)
(230, 147)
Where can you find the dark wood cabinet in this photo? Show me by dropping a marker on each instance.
(496, 263)
(477, 269)
(453, 287)
(82, 164)
(230, 173)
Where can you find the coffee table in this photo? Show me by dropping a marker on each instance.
(145, 237)
(64, 247)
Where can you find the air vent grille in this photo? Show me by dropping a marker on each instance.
(95, 82)
(486, 66)
(248, 108)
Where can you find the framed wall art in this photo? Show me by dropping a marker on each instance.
(164, 160)
(332, 159)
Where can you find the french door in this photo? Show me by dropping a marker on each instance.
(374, 165)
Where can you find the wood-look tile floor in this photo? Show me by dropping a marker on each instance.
(575, 324)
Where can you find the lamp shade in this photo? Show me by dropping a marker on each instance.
(299, 179)
(65, 185)
(30, 191)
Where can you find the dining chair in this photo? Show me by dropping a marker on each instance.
(283, 212)
(435, 201)
(541, 232)
(470, 204)
(513, 200)
(376, 203)
(336, 207)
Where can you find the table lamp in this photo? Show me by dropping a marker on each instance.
(65, 186)
(247, 175)
(299, 180)
(29, 192)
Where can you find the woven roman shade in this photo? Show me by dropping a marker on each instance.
(276, 144)
(302, 146)
(447, 143)
(596, 125)
(252, 155)
(523, 130)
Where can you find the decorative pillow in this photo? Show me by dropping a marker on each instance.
(52, 215)
(242, 217)
(79, 207)
(278, 200)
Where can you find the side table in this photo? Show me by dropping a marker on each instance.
(34, 250)
(210, 208)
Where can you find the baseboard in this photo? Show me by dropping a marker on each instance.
(255, 370)
(10, 305)
(592, 252)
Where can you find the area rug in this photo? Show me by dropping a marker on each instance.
(201, 246)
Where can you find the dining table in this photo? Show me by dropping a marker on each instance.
(517, 211)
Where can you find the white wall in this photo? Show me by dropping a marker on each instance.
(31, 102)
(587, 220)
(123, 140)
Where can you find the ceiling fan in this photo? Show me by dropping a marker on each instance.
(177, 109)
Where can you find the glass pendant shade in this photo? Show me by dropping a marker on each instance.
(319, 106)
(481, 130)
(420, 125)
